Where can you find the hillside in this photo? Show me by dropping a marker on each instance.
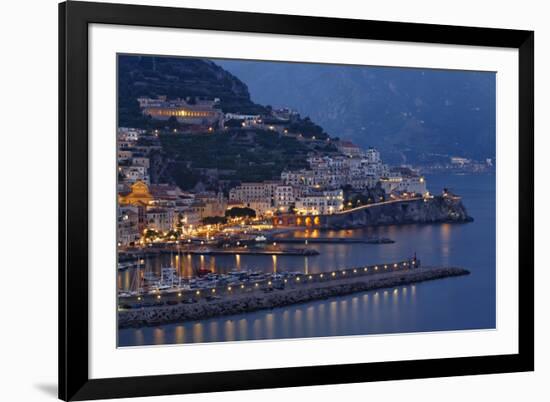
(225, 155)
(176, 77)
(229, 157)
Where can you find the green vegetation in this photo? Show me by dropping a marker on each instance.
(176, 77)
(238, 212)
(237, 155)
(308, 129)
(214, 220)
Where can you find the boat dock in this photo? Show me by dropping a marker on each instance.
(278, 291)
(254, 251)
(338, 240)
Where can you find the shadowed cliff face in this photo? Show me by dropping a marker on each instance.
(435, 210)
(409, 114)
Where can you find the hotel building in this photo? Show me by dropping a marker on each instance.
(200, 112)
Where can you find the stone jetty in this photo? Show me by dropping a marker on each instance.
(295, 293)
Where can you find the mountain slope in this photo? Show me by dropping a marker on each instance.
(409, 114)
(176, 77)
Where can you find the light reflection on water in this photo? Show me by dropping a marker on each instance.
(453, 303)
(306, 320)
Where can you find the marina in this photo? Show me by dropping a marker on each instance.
(272, 292)
(439, 305)
(335, 240)
(150, 290)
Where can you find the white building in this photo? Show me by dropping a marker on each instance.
(399, 184)
(159, 219)
(127, 225)
(261, 207)
(134, 173)
(238, 116)
(129, 134)
(349, 148)
(284, 196)
(248, 192)
(372, 155)
(321, 203)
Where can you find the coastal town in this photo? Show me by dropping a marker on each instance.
(226, 206)
(152, 212)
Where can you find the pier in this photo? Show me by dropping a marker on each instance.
(332, 240)
(254, 251)
(277, 291)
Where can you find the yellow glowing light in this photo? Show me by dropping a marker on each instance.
(179, 294)
(366, 269)
(198, 292)
(139, 298)
(229, 288)
(298, 279)
(158, 297)
(213, 290)
(242, 286)
(310, 277)
(269, 283)
(256, 284)
(334, 274)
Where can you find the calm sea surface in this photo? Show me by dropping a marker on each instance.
(447, 304)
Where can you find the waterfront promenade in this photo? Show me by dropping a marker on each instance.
(206, 303)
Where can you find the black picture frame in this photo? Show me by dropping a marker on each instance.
(74, 18)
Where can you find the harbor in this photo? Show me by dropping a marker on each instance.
(334, 240)
(270, 291)
(435, 305)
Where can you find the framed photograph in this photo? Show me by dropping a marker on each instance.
(257, 201)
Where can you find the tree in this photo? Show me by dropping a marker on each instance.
(150, 234)
(179, 223)
(173, 123)
(214, 220)
(238, 212)
(172, 235)
(233, 123)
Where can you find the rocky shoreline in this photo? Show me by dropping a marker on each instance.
(438, 209)
(255, 301)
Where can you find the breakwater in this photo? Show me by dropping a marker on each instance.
(333, 240)
(300, 289)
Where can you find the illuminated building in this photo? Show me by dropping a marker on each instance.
(198, 112)
(160, 219)
(139, 195)
(399, 184)
(132, 174)
(321, 203)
